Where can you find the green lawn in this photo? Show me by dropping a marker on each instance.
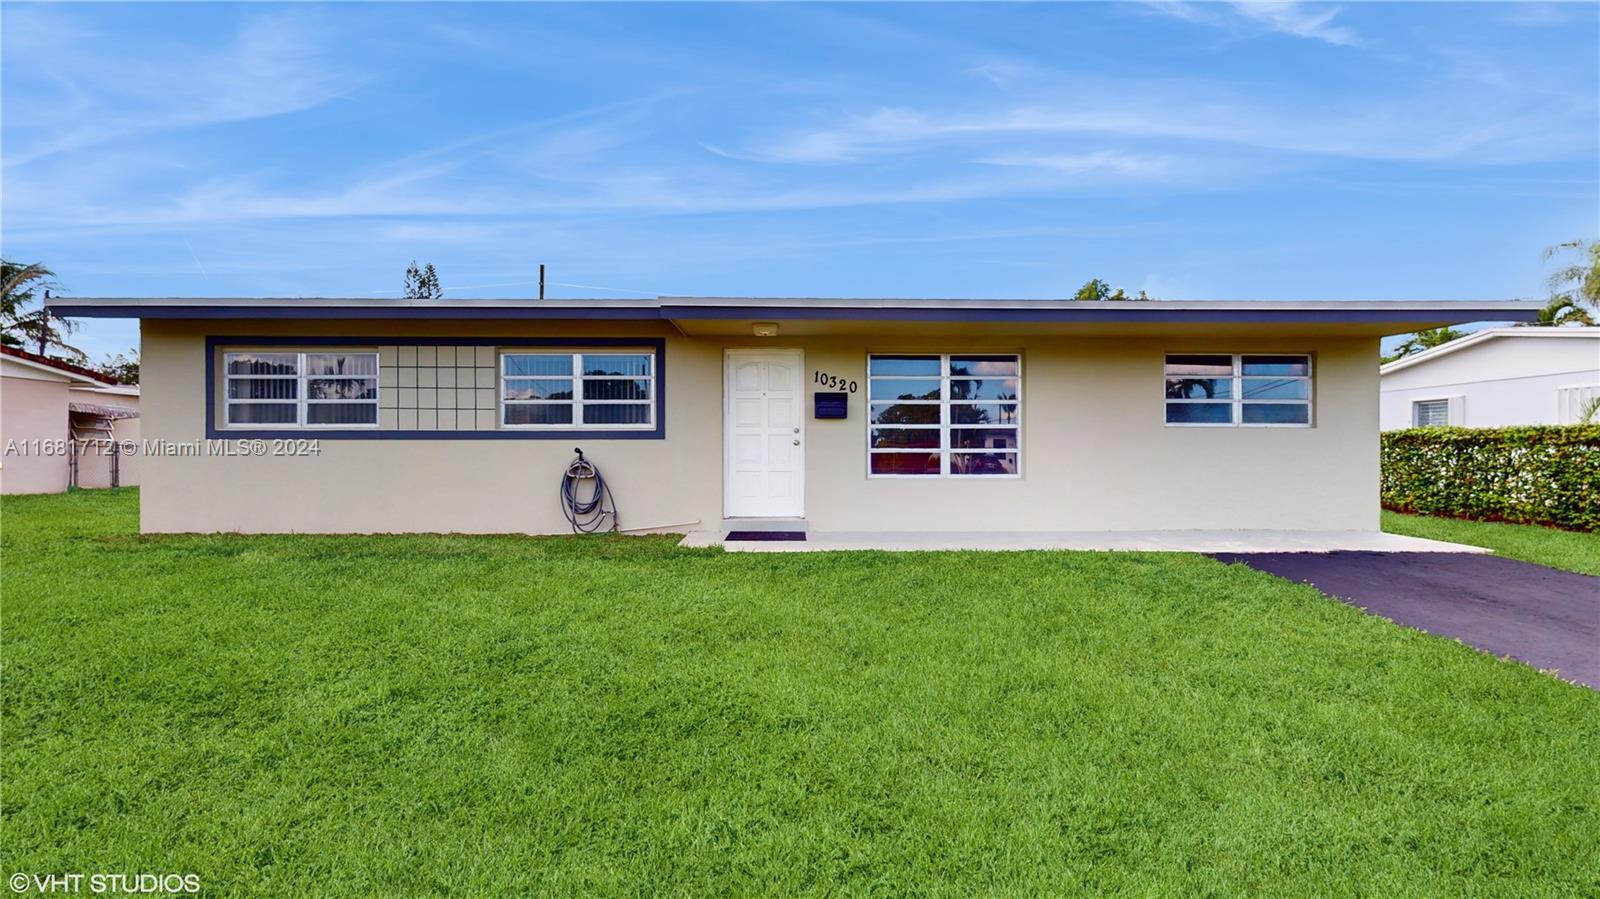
(1569, 550)
(615, 716)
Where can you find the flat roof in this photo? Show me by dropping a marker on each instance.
(1404, 314)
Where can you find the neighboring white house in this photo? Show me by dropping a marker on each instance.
(1495, 377)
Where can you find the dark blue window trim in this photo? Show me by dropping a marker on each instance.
(214, 433)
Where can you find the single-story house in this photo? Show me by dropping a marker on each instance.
(63, 425)
(362, 415)
(1495, 378)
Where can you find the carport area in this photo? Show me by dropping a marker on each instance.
(1547, 618)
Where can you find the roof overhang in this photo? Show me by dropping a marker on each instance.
(100, 410)
(807, 315)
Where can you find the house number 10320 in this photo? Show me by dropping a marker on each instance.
(832, 382)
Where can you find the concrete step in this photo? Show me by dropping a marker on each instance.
(764, 524)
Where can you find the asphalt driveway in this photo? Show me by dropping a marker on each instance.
(1547, 618)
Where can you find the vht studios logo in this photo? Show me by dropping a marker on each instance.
(106, 884)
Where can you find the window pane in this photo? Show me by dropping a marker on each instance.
(1277, 413)
(341, 364)
(1203, 366)
(538, 364)
(903, 365)
(616, 389)
(1200, 413)
(1277, 365)
(984, 366)
(985, 438)
(262, 388)
(983, 463)
(342, 389)
(531, 389)
(262, 363)
(1199, 388)
(981, 390)
(894, 389)
(983, 413)
(619, 414)
(905, 438)
(905, 414)
(1276, 389)
(987, 389)
(261, 414)
(905, 463)
(628, 365)
(341, 413)
(539, 414)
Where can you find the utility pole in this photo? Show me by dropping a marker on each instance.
(541, 280)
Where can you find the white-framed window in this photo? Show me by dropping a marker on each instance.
(1430, 413)
(1253, 390)
(944, 415)
(603, 390)
(300, 389)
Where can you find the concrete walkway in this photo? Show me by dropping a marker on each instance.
(1146, 541)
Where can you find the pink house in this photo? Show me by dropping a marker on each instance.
(63, 425)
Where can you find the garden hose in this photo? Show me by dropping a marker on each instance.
(586, 515)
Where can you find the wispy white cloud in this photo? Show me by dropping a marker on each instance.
(1199, 13)
(1102, 162)
(1545, 15)
(1094, 136)
(97, 89)
(1001, 72)
(1423, 125)
(1304, 20)
(1299, 20)
(428, 200)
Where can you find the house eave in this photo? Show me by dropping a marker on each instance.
(1368, 316)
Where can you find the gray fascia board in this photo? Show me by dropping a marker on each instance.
(803, 308)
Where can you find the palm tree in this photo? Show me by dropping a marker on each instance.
(1424, 340)
(1574, 288)
(18, 285)
(1563, 310)
(1580, 280)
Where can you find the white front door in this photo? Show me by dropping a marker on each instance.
(764, 459)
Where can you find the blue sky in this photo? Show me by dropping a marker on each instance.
(1195, 151)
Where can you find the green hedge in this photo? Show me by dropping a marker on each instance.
(1535, 475)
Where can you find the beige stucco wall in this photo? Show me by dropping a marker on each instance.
(1096, 454)
(33, 432)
